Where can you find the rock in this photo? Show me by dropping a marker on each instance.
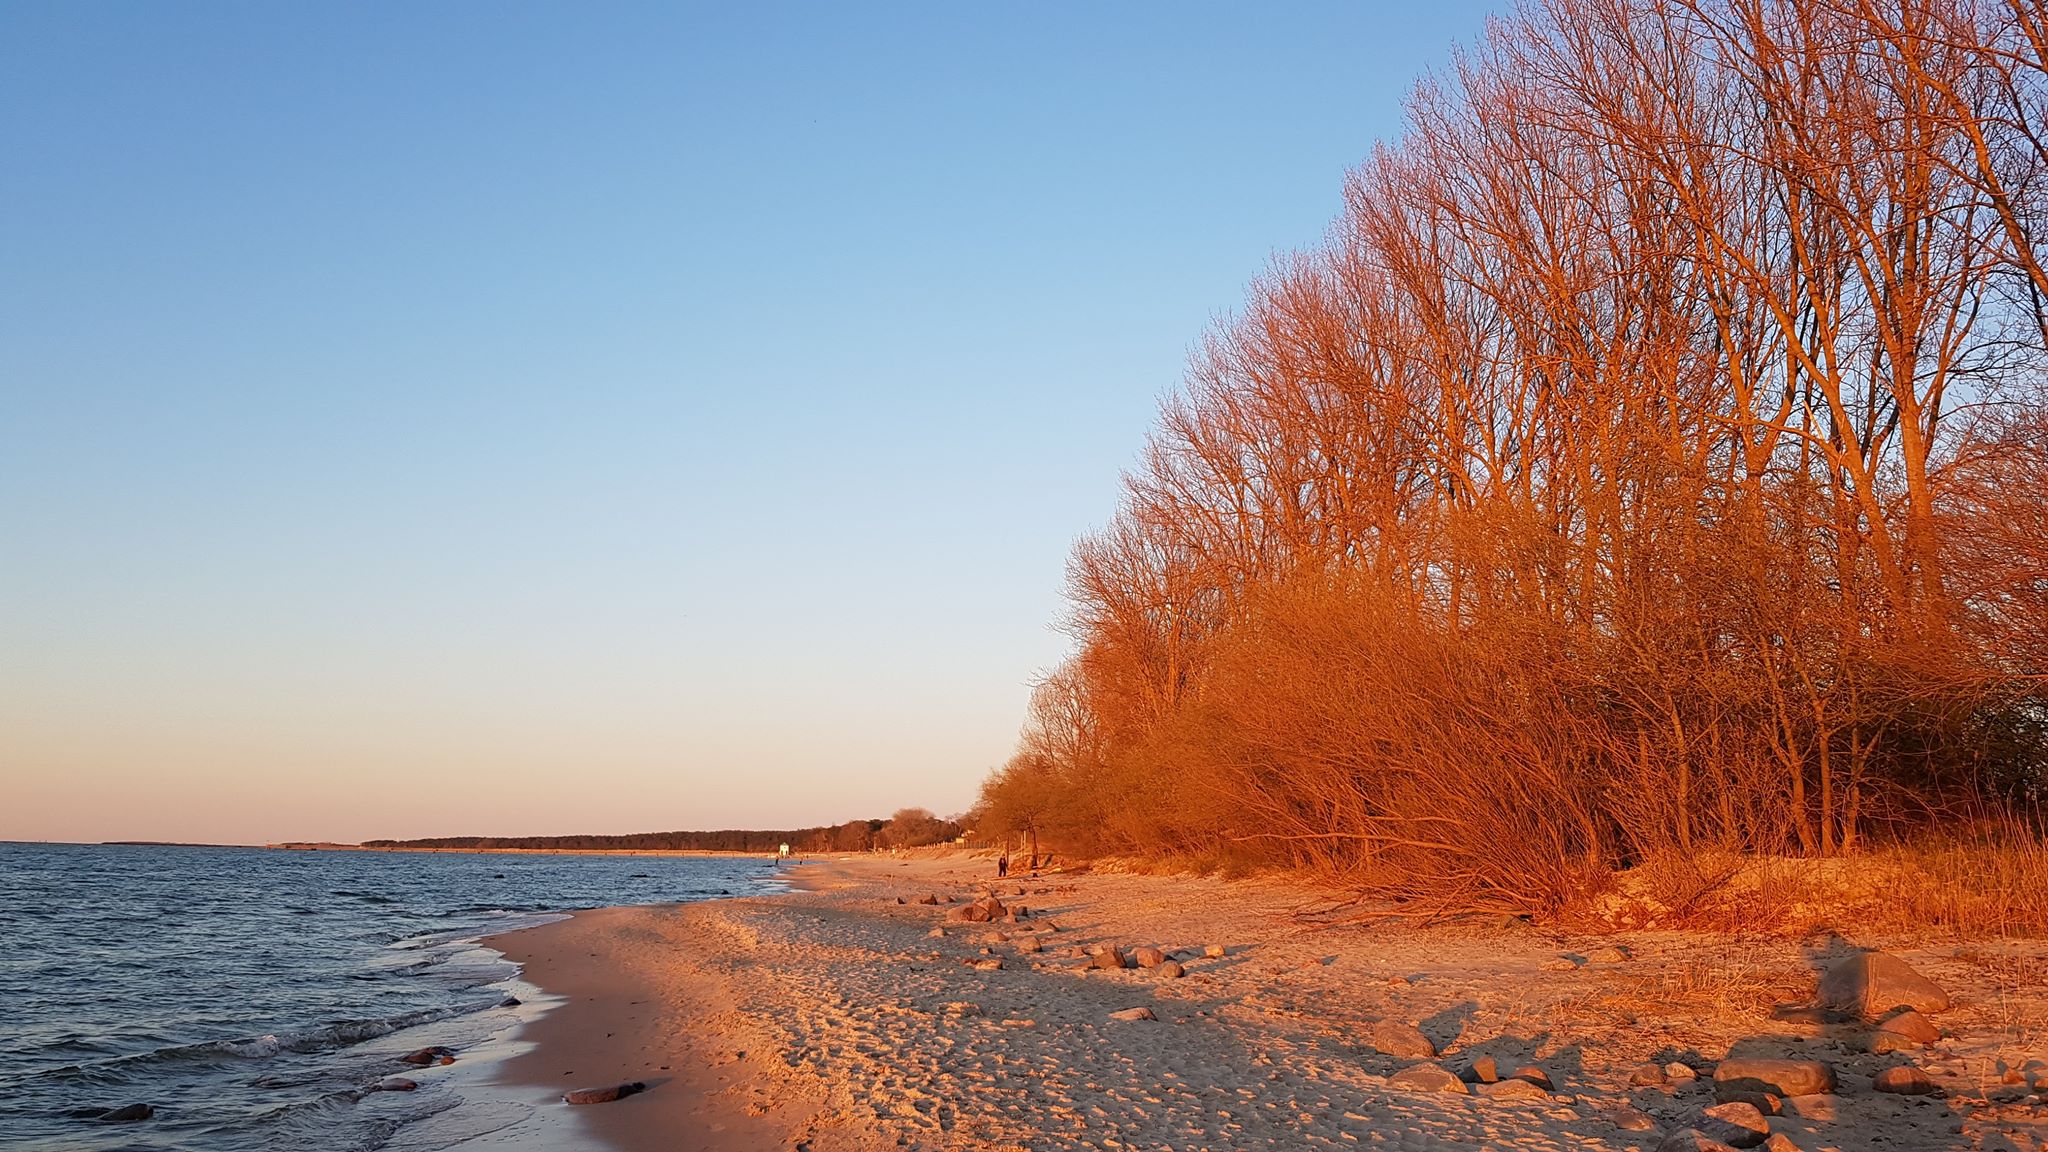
(1512, 1088)
(1873, 983)
(1108, 956)
(509, 1002)
(936, 932)
(1735, 1124)
(929, 900)
(127, 1114)
(1648, 1076)
(603, 1095)
(1171, 970)
(981, 911)
(1133, 1014)
(1533, 1075)
(1905, 1080)
(992, 964)
(394, 1084)
(1808, 1014)
(1148, 956)
(436, 1054)
(1819, 1107)
(1612, 954)
(1740, 1077)
(1763, 1102)
(901, 900)
(1561, 964)
(1030, 944)
(1691, 1140)
(1779, 1142)
(1910, 1026)
(1213, 951)
(1678, 1072)
(1403, 1040)
(1427, 1078)
(1630, 1119)
(1482, 1070)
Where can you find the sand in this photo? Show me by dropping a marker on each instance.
(834, 1019)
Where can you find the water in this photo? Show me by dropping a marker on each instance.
(251, 996)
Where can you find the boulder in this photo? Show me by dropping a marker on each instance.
(1030, 944)
(1648, 1076)
(1133, 1014)
(421, 1057)
(1740, 1078)
(1910, 1026)
(1905, 1080)
(1427, 1078)
(1213, 951)
(1779, 1142)
(127, 1114)
(1533, 1075)
(394, 1084)
(509, 1002)
(1678, 1072)
(1403, 1040)
(1873, 983)
(1171, 970)
(1148, 956)
(1631, 1119)
(1820, 1108)
(1691, 1140)
(981, 911)
(603, 1095)
(1735, 1124)
(1512, 1088)
(1482, 1070)
(1108, 956)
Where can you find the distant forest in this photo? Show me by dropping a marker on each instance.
(1651, 462)
(908, 828)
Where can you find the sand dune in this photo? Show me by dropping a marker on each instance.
(835, 1019)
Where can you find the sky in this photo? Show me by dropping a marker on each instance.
(517, 419)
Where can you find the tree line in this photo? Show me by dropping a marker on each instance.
(908, 828)
(1652, 458)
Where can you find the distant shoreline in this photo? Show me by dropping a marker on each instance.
(296, 846)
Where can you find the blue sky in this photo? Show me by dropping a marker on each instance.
(464, 418)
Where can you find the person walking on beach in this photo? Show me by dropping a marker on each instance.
(1002, 865)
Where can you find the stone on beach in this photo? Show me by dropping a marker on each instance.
(981, 911)
(1148, 956)
(1648, 1076)
(1742, 1078)
(1632, 1119)
(1030, 944)
(1909, 1026)
(127, 1114)
(1735, 1124)
(1171, 970)
(1213, 951)
(394, 1084)
(1133, 1014)
(1513, 1088)
(603, 1095)
(1691, 1140)
(434, 1054)
(1403, 1040)
(1482, 1070)
(1107, 956)
(1905, 1080)
(1873, 983)
(1428, 1078)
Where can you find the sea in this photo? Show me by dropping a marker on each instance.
(253, 998)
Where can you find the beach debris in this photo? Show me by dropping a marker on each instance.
(127, 1114)
(1427, 1078)
(603, 1095)
(1133, 1014)
(1171, 970)
(1403, 1040)
(1107, 956)
(1691, 1140)
(434, 1054)
(1214, 951)
(1873, 983)
(1742, 1078)
(1631, 1119)
(1905, 1080)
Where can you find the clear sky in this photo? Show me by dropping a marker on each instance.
(510, 419)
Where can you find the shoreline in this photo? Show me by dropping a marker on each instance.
(834, 1018)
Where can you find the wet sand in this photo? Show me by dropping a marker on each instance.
(838, 1019)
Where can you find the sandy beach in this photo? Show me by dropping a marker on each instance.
(836, 1017)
